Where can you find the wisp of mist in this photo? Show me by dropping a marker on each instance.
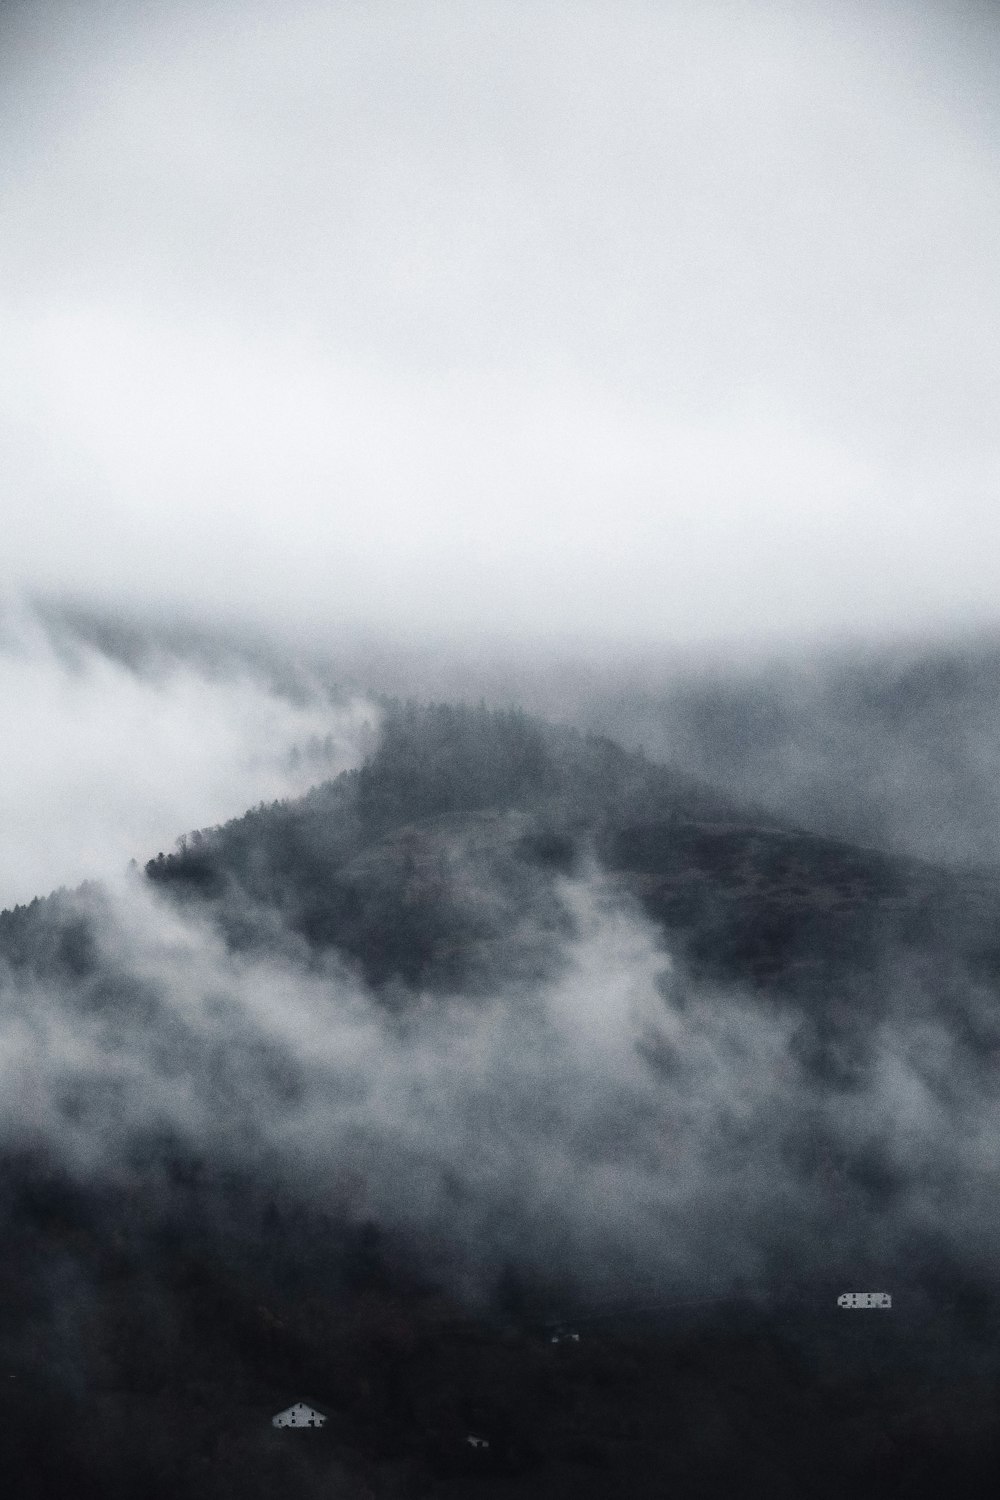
(103, 763)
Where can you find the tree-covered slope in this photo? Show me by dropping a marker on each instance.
(349, 1098)
(422, 864)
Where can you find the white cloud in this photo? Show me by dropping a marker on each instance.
(102, 764)
(523, 1126)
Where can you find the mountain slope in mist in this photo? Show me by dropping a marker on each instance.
(890, 745)
(893, 746)
(424, 864)
(348, 1097)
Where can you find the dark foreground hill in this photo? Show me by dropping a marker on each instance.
(214, 1203)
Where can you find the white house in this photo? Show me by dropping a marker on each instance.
(864, 1299)
(299, 1415)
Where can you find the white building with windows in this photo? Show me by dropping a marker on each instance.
(299, 1415)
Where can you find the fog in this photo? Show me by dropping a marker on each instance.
(635, 322)
(617, 1126)
(103, 764)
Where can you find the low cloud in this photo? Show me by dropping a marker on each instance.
(104, 763)
(612, 1126)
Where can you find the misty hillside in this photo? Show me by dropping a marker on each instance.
(356, 1097)
(421, 864)
(521, 1087)
(892, 746)
(888, 746)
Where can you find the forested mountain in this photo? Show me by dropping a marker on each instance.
(352, 1097)
(389, 863)
(899, 747)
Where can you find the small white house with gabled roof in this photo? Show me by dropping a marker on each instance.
(299, 1415)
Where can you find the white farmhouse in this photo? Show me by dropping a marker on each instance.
(299, 1415)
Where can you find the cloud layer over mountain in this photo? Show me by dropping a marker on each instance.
(655, 321)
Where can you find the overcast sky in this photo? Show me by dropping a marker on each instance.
(607, 320)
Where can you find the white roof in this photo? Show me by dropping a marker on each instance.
(298, 1415)
(864, 1299)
